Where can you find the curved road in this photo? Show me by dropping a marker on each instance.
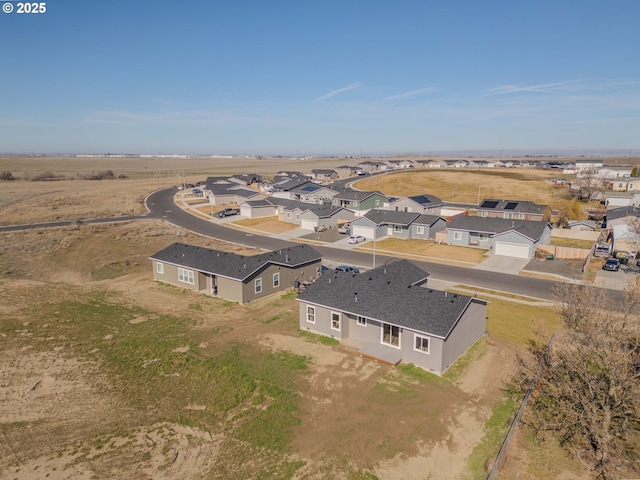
(161, 205)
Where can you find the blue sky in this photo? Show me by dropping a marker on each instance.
(325, 77)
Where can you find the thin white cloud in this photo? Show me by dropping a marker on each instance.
(412, 93)
(542, 88)
(338, 91)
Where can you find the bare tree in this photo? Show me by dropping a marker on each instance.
(587, 381)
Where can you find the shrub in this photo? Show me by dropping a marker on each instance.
(6, 176)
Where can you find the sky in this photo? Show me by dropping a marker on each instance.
(348, 77)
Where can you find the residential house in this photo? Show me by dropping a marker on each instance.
(345, 171)
(226, 191)
(237, 278)
(587, 165)
(388, 315)
(513, 238)
(312, 193)
(369, 166)
(325, 216)
(359, 202)
(377, 223)
(516, 209)
(427, 204)
(323, 175)
(622, 216)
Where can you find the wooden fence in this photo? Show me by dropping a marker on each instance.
(566, 253)
(575, 234)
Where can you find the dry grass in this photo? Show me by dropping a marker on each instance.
(571, 242)
(468, 186)
(266, 224)
(427, 249)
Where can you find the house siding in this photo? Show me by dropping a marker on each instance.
(470, 328)
(288, 276)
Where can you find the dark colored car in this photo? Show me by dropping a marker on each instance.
(612, 264)
(228, 211)
(347, 269)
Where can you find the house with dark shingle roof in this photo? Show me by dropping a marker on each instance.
(513, 209)
(378, 223)
(359, 201)
(427, 204)
(389, 314)
(238, 278)
(323, 175)
(514, 238)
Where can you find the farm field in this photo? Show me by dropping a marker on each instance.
(108, 374)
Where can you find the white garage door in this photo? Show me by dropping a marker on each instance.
(512, 250)
(308, 224)
(366, 232)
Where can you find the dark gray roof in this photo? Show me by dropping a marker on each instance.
(512, 206)
(291, 184)
(424, 200)
(391, 217)
(622, 212)
(391, 294)
(529, 228)
(320, 171)
(426, 220)
(231, 265)
(349, 194)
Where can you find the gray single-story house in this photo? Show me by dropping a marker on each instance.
(359, 201)
(378, 223)
(427, 204)
(388, 315)
(513, 209)
(513, 238)
(235, 277)
(326, 216)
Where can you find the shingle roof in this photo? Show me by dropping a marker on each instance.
(391, 217)
(512, 206)
(530, 228)
(349, 194)
(424, 200)
(390, 294)
(426, 220)
(622, 212)
(231, 265)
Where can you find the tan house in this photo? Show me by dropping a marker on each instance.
(237, 278)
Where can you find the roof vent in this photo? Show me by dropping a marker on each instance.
(445, 294)
(356, 296)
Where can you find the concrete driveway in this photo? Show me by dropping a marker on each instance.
(503, 264)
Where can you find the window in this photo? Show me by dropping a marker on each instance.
(407, 209)
(185, 276)
(421, 344)
(483, 237)
(397, 228)
(484, 213)
(276, 280)
(335, 321)
(420, 230)
(311, 314)
(297, 216)
(390, 335)
(159, 267)
(507, 215)
(457, 235)
(355, 204)
(521, 216)
(362, 321)
(288, 214)
(377, 202)
(258, 285)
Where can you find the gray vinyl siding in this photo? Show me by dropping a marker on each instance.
(170, 276)
(322, 324)
(464, 241)
(423, 236)
(469, 329)
(404, 233)
(512, 237)
(431, 361)
(287, 277)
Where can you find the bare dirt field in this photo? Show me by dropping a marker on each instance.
(107, 374)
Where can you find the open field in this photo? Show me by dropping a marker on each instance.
(106, 374)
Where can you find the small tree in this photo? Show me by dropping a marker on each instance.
(634, 172)
(587, 382)
(6, 176)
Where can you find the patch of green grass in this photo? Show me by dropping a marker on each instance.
(495, 431)
(462, 364)
(289, 295)
(195, 306)
(419, 373)
(271, 319)
(317, 338)
(519, 323)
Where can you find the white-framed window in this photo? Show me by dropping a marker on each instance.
(258, 285)
(507, 215)
(288, 215)
(420, 230)
(377, 202)
(483, 237)
(457, 235)
(362, 321)
(185, 275)
(521, 216)
(159, 267)
(335, 321)
(355, 204)
(397, 228)
(297, 216)
(421, 344)
(390, 335)
(407, 209)
(276, 280)
(484, 213)
(311, 314)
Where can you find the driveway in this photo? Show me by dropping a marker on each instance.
(503, 264)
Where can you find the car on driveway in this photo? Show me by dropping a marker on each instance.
(356, 239)
(228, 211)
(347, 269)
(344, 228)
(612, 264)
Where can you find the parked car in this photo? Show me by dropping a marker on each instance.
(612, 264)
(345, 228)
(347, 269)
(356, 239)
(320, 228)
(228, 211)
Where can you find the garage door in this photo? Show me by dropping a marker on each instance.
(512, 250)
(366, 232)
(308, 224)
